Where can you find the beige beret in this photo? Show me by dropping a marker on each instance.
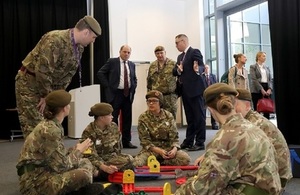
(159, 48)
(101, 109)
(58, 98)
(94, 25)
(155, 94)
(244, 95)
(214, 90)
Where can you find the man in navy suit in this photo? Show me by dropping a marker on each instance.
(209, 79)
(189, 69)
(118, 78)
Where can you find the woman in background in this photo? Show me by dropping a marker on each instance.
(238, 76)
(261, 80)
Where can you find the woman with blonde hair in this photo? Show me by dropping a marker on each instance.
(261, 80)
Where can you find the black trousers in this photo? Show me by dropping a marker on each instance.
(196, 120)
(257, 96)
(123, 104)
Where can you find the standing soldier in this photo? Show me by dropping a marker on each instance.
(106, 153)
(160, 77)
(50, 66)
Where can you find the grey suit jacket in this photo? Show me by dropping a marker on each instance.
(255, 76)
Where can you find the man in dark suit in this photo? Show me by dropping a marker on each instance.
(119, 80)
(209, 79)
(189, 69)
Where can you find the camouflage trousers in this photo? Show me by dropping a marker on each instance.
(181, 159)
(170, 103)
(43, 182)
(27, 99)
(122, 161)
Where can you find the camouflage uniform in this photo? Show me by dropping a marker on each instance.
(162, 79)
(279, 142)
(107, 146)
(53, 63)
(159, 131)
(57, 170)
(238, 154)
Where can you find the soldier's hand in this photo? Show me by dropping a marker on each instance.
(198, 160)
(110, 169)
(41, 106)
(83, 146)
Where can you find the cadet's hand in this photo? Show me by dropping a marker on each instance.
(172, 153)
(199, 160)
(110, 169)
(41, 106)
(83, 146)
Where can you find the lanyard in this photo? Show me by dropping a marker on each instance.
(76, 52)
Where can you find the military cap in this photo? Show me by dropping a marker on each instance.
(216, 89)
(93, 24)
(155, 94)
(159, 48)
(244, 94)
(58, 98)
(101, 109)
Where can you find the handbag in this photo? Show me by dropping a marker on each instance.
(265, 105)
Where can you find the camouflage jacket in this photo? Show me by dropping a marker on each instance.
(277, 139)
(106, 141)
(162, 79)
(44, 147)
(238, 153)
(54, 61)
(159, 131)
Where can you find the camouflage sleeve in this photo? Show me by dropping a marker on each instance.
(150, 77)
(95, 159)
(48, 53)
(143, 131)
(213, 174)
(173, 133)
(58, 157)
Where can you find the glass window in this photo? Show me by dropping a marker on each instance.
(265, 34)
(250, 53)
(213, 52)
(211, 6)
(251, 33)
(251, 14)
(235, 32)
(264, 13)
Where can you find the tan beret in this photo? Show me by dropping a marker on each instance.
(159, 48)
(214, 90)
(155, 94)
(244, 95)
(101, 109)
(58, 98)
(94, 25)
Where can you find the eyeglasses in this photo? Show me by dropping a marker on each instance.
(152, 101)
(177, 42)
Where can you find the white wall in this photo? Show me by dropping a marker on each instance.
(144, 24)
